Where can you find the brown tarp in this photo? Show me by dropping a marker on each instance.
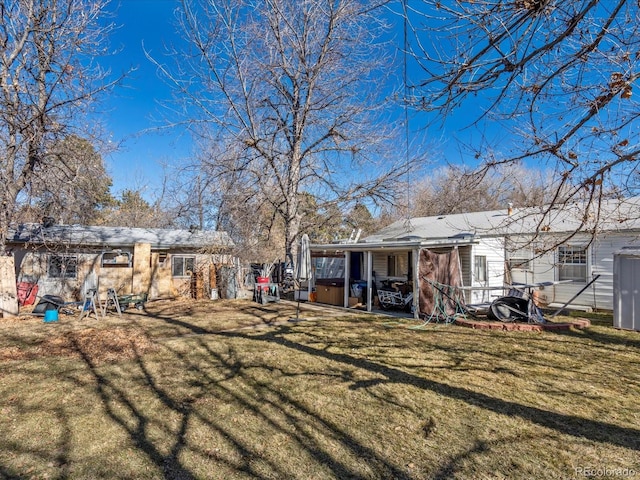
(440, 277)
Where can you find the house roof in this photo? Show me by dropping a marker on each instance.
(115, 237)
(466, 228)
(615, 215)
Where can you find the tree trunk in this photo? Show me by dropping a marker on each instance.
(7, 208)
(292, 215)
(291, 231)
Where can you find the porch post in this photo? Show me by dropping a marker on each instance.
(347, 274)
(369, 256)
(416, 283)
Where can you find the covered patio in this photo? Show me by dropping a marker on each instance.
(387, 277)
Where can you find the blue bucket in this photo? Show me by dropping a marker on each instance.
(51, 315)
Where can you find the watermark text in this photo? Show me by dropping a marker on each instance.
(596, 472)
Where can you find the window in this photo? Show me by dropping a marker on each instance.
(391, 266)
(400, 265)
(62, 266)
(182, 266)
(329, 267)
(480, 268)
(519, 263)
(572, 263)
(116, 259)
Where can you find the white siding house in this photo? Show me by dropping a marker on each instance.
(501, 247)
(581, 260)
(487, 270)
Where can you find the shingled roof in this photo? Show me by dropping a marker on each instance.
(116, 237)
(614, 215)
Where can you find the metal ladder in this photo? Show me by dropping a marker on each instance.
(90, 304)
(112, 301)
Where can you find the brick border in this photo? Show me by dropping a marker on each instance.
(522, 327)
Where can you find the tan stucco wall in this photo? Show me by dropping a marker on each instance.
(141, 281)
(118, 278)
(8, 291)
(147, 274)
(160, 277)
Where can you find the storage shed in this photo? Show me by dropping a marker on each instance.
(626, 289)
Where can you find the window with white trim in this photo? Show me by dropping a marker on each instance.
(182, 266)
(572, 263)
(480, 268)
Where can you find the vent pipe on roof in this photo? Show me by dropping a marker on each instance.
(509, 208)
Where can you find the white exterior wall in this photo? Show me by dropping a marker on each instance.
(464, 254)
(380, 265)
(599, 262)
(599, 295)
(602, 264)
(493, 250)
(542, 268)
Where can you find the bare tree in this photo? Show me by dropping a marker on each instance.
(204, 194)
(292, 90)
(49, 80)
(454, 189)
(557, 76)
(196, 193)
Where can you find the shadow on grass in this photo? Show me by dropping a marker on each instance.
(111, 395)
(121, 408)
(567, 424)
(277, 409)
(479, 447)
(598, 335)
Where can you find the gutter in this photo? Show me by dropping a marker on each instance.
(395, 245)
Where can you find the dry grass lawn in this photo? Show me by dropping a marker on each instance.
(235, 390)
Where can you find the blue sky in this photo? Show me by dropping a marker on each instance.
(130, 110)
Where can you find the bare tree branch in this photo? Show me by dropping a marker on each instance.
(558, 75)
(292, 89)
(49, 80)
